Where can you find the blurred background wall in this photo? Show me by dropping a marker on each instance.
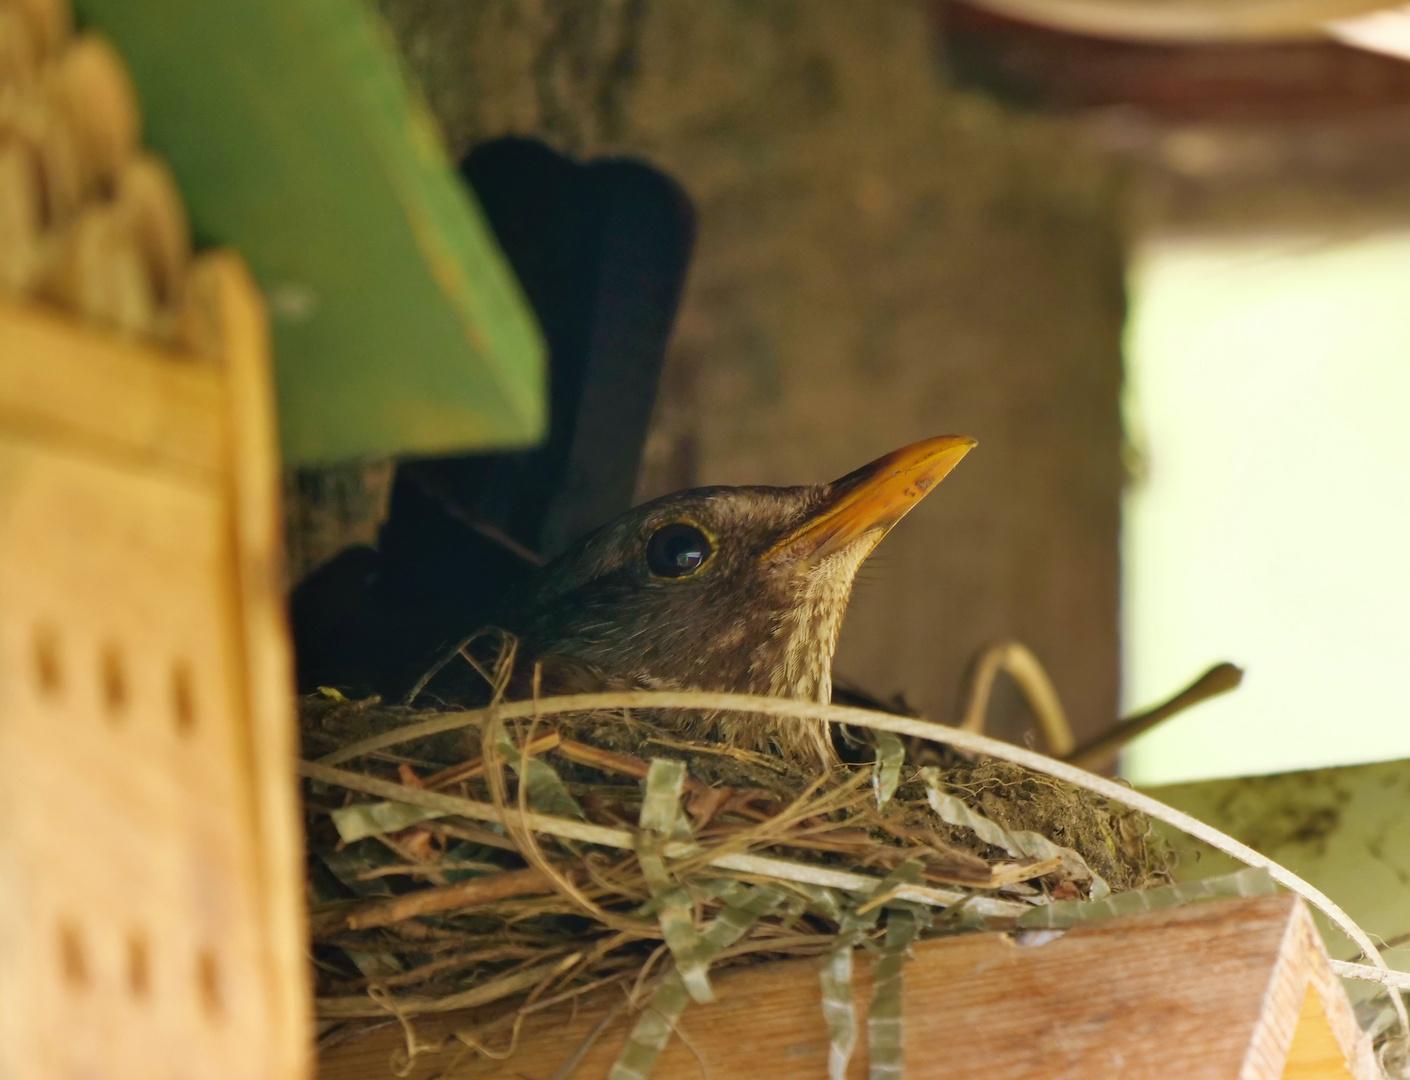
(880, 257)
(916, 218)
(1267, 357)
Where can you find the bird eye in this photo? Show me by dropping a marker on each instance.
(676, 551)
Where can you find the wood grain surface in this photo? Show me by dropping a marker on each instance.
(253, 487)
(108, 395)
(151, 918)
(1207, 991)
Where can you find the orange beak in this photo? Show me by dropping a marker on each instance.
(875, 497)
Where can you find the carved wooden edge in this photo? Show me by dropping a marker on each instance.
(236, 309)
(208, 415)
(1303, 965)
(70, 395)
(94, 224)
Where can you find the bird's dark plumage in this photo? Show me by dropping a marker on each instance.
(601, 250)
(730, 589)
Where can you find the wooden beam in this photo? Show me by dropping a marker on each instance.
(1235, 989)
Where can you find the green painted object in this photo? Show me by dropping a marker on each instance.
(398, 326)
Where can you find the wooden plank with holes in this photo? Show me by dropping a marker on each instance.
(1233, 990)
(150, 876)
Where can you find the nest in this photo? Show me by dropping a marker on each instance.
(529, 862)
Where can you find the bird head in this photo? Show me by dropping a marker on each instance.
(738, 589)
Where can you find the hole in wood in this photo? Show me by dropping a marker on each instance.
(72, 958)
(114, 683)
(183, 699)
(208, 983)
(47, 671)
(139, 969)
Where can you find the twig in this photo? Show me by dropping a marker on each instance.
(449, 963)
(1025, 670)
(497, 989)
(421, 871)
(1398, 979)
(1219, 679)
(527, 882)
(575, 1059)
(468, 769)
(528, 843)
(565, 828)
(748, 757)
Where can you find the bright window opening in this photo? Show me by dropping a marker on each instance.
(1269, 392)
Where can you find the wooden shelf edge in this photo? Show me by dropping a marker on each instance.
(1214, 990)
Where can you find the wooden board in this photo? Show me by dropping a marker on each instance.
(1219, 990)
(150, 875)
(398, 327)
(1323, 825)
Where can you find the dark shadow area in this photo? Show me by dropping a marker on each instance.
(601, 251)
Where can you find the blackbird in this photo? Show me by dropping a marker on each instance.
(736, 589)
